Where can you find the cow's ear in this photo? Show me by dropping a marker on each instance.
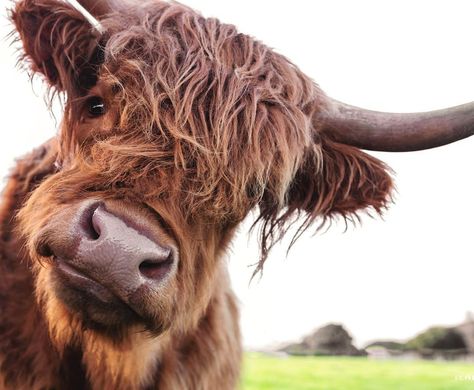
(332, 180)
(58, 42)
(337, 179)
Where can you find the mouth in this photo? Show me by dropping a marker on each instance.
(79, 281)
(99, 308)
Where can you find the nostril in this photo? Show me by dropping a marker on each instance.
(95, 231)
(89, 226)
(156, 269)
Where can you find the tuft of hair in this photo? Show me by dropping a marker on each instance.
(210, 119)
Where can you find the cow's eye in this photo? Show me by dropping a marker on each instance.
(95, 106)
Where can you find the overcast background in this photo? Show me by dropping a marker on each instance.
(389, 278)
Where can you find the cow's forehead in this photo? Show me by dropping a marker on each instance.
(170, 29)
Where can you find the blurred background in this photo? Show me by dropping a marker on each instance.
(389, 278)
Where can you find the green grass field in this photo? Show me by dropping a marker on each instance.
(334, 373)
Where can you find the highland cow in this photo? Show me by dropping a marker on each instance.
(175, 127)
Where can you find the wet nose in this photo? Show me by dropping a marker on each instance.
(111, 251)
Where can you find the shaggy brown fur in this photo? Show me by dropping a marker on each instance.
(203, 125)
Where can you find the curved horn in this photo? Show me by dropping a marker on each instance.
(97, 8)
(391, 132)
(94, 10)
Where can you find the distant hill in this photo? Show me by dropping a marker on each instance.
(443, 342)
(447, 343)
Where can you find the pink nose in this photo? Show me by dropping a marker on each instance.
(116, 253)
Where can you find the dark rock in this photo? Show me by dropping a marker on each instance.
(330, 340)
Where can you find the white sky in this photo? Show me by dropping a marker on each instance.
(389, 278)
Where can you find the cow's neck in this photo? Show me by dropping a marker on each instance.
(133, 364)
(207, 357)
